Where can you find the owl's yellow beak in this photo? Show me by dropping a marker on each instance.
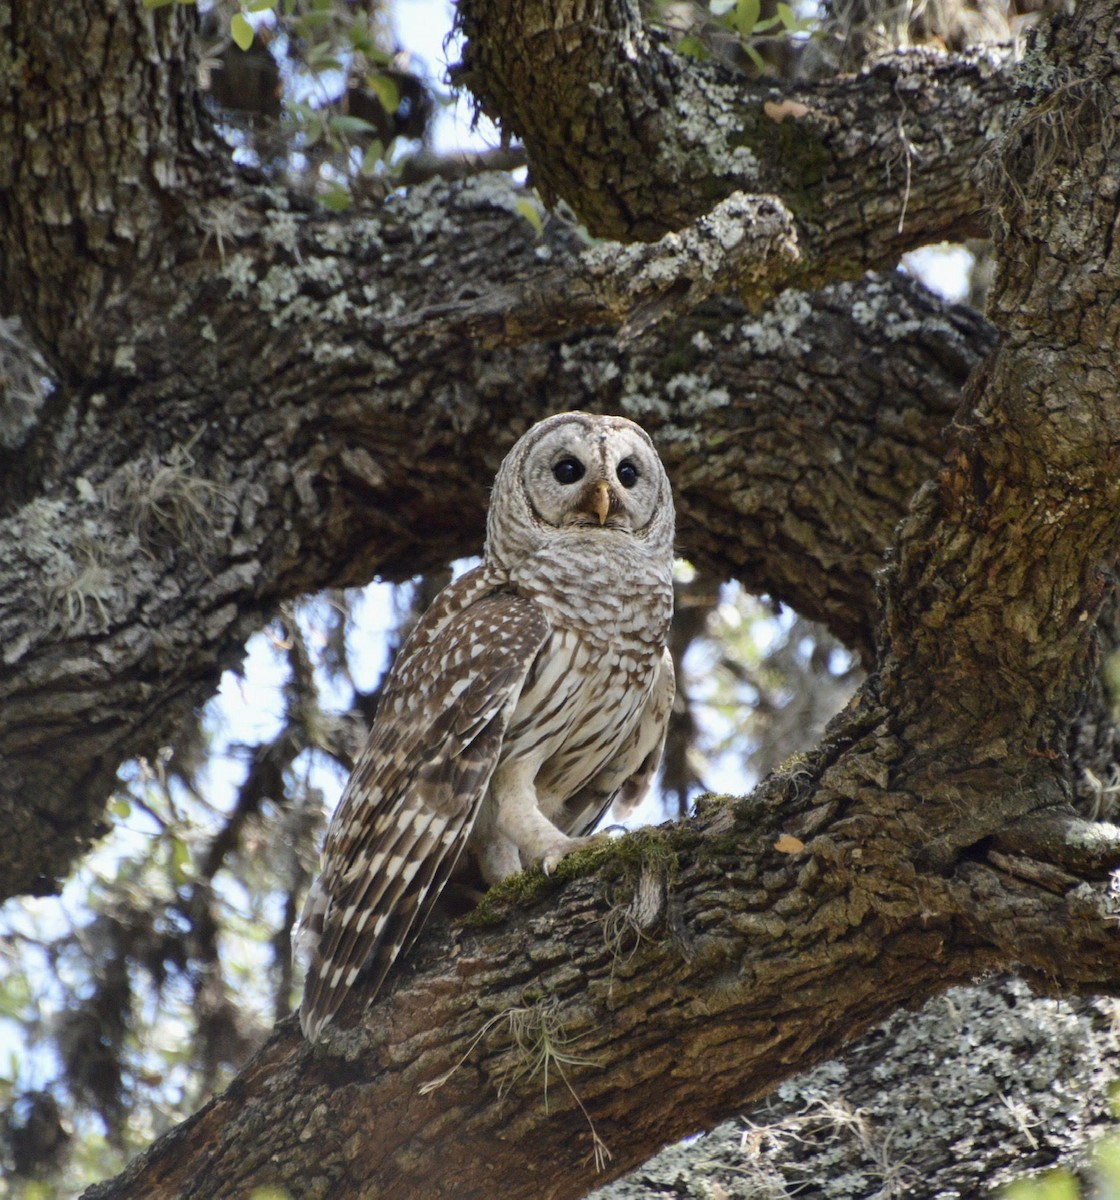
(599, 501)
(595, 501)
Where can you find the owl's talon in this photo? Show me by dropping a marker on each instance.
(551, 858)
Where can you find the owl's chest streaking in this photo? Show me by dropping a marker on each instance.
(589, 686)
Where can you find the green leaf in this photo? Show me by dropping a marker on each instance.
(531, 212)
(360, 40)
(382, 57)
(693, 47)
(341, 123)
(374, 153)
(386, 90)
(313, 132)
(322, 57)
(120, 807)
(336, 198)
(745, 16)
(15, 996)
(754, 56)
(181, 869)
(241, 31)
(308, 23)
(792, 22)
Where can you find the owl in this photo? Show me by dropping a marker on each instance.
(533, 692)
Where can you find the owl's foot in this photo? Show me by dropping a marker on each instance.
(550, 860)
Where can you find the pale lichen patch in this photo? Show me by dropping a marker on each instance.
(776, 328)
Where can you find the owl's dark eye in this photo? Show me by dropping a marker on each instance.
(627, 473)
(568, 470)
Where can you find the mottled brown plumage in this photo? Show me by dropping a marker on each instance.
(533, 692)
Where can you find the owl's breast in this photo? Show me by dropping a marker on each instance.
(580, 703)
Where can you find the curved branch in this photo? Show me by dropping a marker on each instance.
(1088, 848)
(641, 140)
(659, 1016)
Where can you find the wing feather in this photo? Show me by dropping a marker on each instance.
(410, 804)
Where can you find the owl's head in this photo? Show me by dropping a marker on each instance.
(579, 472)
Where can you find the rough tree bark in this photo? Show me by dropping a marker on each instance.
(322, 398)
(641, 140)
(981, 1086)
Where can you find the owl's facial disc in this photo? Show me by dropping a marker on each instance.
(593, 476)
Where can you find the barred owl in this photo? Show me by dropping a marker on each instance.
(532, 693)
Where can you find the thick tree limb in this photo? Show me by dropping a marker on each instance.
(641, 140)
(748, 961)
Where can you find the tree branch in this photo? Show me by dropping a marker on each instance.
(745, 244)
(754, 960)
(641, 140)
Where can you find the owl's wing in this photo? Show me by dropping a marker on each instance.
(625, 780)
(409, 806)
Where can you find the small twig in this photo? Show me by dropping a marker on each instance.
(908, 148)
(909, 154)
